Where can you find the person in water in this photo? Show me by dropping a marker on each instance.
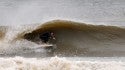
(47, 36)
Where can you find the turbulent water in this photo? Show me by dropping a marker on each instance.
(72, 39)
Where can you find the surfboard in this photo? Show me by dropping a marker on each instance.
(45, 45)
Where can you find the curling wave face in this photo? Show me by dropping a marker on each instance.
(71, 39)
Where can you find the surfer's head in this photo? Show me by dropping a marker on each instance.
(45, 37)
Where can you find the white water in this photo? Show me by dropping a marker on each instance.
(56, 63)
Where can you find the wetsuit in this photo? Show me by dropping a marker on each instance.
(45, 37)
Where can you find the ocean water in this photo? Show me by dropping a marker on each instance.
(90, 34)
(77, 46)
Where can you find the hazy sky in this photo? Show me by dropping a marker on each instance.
(37, 11)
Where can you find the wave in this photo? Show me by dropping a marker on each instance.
(72, 39)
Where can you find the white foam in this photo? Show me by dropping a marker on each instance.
(56, 63)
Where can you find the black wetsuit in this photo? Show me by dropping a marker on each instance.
(45, 37)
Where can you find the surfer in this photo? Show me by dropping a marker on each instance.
(47, 36)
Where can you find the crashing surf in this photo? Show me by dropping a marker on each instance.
(72, 39)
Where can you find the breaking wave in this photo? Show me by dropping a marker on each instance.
(72, 39)
(79, 46)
